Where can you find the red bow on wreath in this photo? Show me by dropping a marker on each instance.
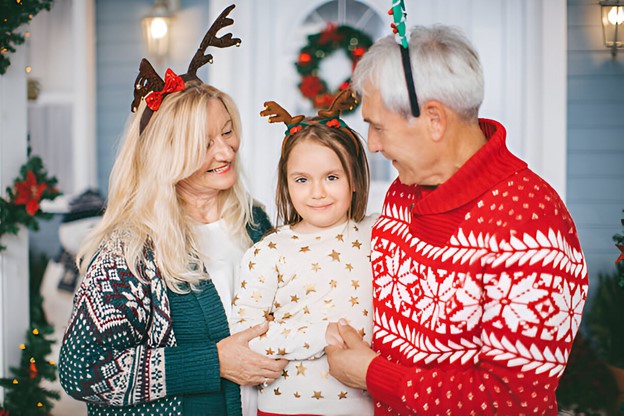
(173, 83)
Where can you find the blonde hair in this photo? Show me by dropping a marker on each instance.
(143, 207)
(352, 156)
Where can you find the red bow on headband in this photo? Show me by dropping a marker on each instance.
(173, 83)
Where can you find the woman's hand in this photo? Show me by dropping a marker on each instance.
(241, 365)
(333, 337)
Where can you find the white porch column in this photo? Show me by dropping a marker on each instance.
(14, 276)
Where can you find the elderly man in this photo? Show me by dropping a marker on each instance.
(479, 277)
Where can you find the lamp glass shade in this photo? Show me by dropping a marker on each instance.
(156, 29)
(613, 25)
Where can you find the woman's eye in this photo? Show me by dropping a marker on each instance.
(227, 133)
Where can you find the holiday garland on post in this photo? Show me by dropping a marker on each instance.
(320, 45)
(23, 204)
(13, 14)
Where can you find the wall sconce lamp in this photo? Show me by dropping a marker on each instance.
(613, 24)
(157, 28)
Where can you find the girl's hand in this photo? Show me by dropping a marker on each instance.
(241, 365)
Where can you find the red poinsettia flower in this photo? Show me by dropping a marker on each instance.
(4, 412)
(310, 86)
(29, 193)
(621, 258)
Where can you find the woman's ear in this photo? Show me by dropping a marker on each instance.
(435, 114)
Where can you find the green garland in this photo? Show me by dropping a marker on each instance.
(320, 45)
(13, 14)
(23, 204)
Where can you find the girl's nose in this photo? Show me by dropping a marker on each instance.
(318, 190)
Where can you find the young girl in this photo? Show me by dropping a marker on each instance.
(313, 270)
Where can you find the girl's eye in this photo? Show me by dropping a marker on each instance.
(301, 180)
(332, 178)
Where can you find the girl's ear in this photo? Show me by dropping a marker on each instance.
(435, 114)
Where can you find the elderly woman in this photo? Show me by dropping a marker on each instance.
(149, 332)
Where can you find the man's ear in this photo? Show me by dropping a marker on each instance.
(435, 114)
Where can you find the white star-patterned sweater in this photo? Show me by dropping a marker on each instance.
(306, 281)
(479, 287)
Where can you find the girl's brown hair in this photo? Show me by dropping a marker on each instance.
(352, 157)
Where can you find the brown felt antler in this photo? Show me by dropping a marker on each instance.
(276, 114)
(210, 39)
(345, 100)
(147, 81)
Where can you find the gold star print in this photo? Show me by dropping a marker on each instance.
(339, 237)
(365, 312)
(295, 237)
(280, 278)
(281, 351)
(282, 259)
(310, 288)
(333, 283)
(354, 300)
(356, 244)
(234, 299)
(294, 298)
(256, 295)
(342, 395)
(272, 245)
(306, 310)
(325, 374)
(285, 373)
(304, 249)
(316, 267)
(267, 314)
(277, 305)
(256, 251)
(329, 303)
(317, 395)
(362, 332)
(287, 315)
(296, 394)
(277, 392)
(348, 266)
(355, 284)
(269, 351)
(306, 345)
(261, 279)
(334, 255)
(243, 284)
(286, 331)
(251, 265)
(301, 369)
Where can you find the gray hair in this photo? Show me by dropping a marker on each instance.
(445, 65)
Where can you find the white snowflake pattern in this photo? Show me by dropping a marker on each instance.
(436, 291)
(511, 299)
(570, 306)
(396, 279)
(467, 310)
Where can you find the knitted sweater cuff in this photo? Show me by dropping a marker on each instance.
(192, 369)
(384, 382)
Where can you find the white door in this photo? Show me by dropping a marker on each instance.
(522, 45)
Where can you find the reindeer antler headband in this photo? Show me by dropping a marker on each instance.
(150, 85)
(330, 117)
(399, 27)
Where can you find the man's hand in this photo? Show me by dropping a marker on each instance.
(349, 363)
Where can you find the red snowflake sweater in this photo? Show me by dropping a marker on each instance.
(479, 286)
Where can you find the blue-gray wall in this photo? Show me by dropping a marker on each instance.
(595, 193)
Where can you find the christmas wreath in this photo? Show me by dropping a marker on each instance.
(24, 198)
(320, 45)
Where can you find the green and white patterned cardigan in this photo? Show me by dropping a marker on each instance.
(115, 349)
